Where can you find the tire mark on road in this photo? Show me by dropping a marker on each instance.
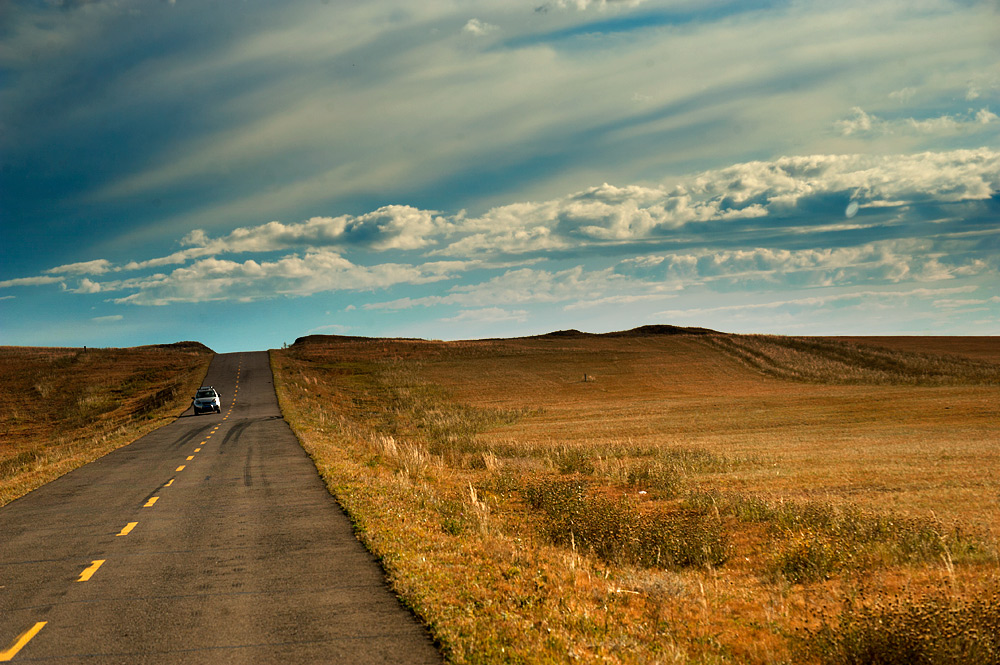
(247, 474)
(194, 434)
(234, 432)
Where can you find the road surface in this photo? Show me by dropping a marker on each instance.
(210, 540)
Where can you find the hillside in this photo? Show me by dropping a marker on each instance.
(63, 407)
(656, 489)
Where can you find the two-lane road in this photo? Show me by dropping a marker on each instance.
(210, 540)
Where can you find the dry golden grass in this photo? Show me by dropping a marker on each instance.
(679, 505)
(64, 407)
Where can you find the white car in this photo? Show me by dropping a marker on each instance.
(205, 400)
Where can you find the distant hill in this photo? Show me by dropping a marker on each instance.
(190, 347)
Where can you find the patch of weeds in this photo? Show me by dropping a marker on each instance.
(822, 539)
(17, 463)
(647, 475)
(454, 520)
(573, 460)
(501, 485)
(809, 557)
(933, 630)
(617, 531)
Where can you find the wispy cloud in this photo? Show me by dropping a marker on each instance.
(97, 267)
(867, 124)
(29, 281)
(819, 301)
(488, 315)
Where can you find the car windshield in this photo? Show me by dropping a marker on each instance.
(205, 393)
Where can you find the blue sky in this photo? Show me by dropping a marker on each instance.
(244, 173)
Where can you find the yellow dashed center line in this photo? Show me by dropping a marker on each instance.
(151, 501)
(21, 640)
(180, 468)
(89, 571)
(190, 457)
(197, 450)
(128, 529)
(169, 483)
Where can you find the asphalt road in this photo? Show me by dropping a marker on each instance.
(217, 543)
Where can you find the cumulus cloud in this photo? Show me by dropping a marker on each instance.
(764, 200)
(608, 213)
(389, 227)
(87, 286)
(317, 271)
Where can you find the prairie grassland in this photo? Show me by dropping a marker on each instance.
(678, 505)
(64, 407)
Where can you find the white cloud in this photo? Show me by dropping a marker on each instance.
(29, 281)
(334, 328)
(96, 267)
(488, 315)
(867, 124)
(751, 190)
(108, 319)
(903, 94)
(87, 286)
(818, 301)
(950, 303)
(317, 271)
(889, 261)
(519, 287)
(618, 300)
(985, 116)
(478, 28)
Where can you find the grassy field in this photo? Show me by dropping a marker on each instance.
(646, 498)
(65, 407)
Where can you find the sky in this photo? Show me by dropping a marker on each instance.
(246, 172)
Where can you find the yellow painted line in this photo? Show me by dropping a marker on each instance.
(89, 571)
(190, 457)
(128, 529)
(180, 468)
(21, 640)
(169, 483)
(197, 450)
(151, 501)
(203, 443)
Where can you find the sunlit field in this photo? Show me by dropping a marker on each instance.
(651, 497)
(64, 407)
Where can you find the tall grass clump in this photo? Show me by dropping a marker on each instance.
(616, 531)
(818, 540)
(933, 630)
